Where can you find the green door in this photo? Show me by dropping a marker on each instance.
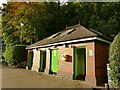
(42, 61)
(54, 61)
(30, 62)
(79, 63)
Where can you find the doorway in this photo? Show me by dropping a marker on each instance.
(79, 63)
(42, 61)
(54, 61)
(30, 62)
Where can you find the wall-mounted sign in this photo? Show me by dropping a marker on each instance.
(90, 52)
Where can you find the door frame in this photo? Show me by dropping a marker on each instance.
(30, 62)
(41, 60)
(74, 61)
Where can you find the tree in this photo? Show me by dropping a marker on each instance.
(42, 19)
(39, 20)
(98, 16)
(30, 15)
(114, 58)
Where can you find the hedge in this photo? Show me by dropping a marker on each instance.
(114, 58)
(15, 53)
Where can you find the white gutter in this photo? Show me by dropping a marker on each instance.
(72, 41)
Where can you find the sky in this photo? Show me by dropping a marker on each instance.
(2, 1)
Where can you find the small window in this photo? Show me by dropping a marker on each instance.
(53, 36)
(71, 31)
(56, 35)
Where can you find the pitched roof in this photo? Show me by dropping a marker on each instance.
(71, 33)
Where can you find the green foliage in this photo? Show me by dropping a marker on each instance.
(29, 15)
(39, 20)
(42, 19)
(8, 55)
(114, 57)
(15, 53)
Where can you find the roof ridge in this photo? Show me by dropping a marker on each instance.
(72, 26)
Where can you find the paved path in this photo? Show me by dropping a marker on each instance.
(21, 78)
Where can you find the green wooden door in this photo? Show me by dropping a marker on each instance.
(42, 61)
(54, 61)
(79, 62)
(30, 62)
(75, 67)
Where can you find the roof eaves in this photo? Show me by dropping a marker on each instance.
(101, 35)
(64, 42)
(96, 32)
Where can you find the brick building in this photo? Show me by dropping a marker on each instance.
(75, 53)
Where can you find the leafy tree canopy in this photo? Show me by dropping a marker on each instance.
(27, 23)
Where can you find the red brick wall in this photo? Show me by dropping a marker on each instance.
(65, 67)
(90, 62)
(95, 63)
(101, 59)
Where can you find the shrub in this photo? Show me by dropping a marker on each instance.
(15, 53)
(8, 54)
(114, 58)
